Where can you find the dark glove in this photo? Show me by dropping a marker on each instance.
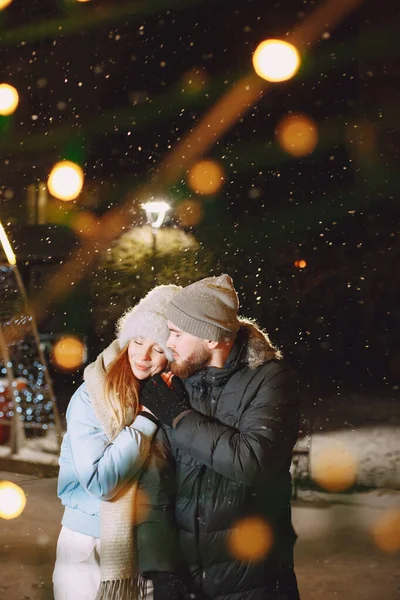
(165, 402)
(169, 586)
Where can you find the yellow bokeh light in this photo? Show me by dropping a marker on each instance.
(206, 177)
(334, 469)
(9, 99)
(250, 539)
(4, 3)
(189, 213)
(386, 531)
(297, 134)
(12, 500)
(68, 353)
(65, 181)
(276, 60)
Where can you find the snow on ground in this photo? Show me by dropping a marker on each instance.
(336, 555)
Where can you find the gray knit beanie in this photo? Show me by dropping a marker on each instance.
(148, 318)
(207, 309)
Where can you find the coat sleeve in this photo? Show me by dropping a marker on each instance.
(157, 532)
(263, 441)
(103, 468)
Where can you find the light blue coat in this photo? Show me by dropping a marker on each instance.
(91, 468)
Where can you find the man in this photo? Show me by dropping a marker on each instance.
(232, 437)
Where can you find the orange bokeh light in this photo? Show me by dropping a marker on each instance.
(300, 264)
(189, 213)
(297, 135)
(4, 3)
(335, 469)
(69, 353)
(206, 177)
(143, 505)
(386, 531)
(250, 539)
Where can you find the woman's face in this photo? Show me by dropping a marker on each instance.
(145, 357)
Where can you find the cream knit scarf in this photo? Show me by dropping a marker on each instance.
(120, 579)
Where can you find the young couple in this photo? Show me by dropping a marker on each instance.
(183, 428)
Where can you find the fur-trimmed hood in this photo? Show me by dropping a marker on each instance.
(258, 348)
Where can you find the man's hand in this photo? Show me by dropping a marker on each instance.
(165, 402)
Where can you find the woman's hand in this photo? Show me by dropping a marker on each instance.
(167, 377)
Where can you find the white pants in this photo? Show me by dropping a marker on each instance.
(76, 573)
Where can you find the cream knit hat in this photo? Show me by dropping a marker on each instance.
(207, 309)
(148, 318)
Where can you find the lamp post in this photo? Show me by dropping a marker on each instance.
(155, 215)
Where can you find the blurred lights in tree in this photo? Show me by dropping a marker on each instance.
(276, 60)
(12, 500)
(250, 539)
(334, 469)
(9, 99)
(300, 264)
(69, 353)
(65, 181)
(206, 177)
(297, 134)
(189, 213)
(386, 531)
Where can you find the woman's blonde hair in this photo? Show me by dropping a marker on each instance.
(122, 391)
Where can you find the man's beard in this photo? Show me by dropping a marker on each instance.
(192, 364)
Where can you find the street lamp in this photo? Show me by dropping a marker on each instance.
(155, 215)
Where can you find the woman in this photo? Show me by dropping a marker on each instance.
(104, 451)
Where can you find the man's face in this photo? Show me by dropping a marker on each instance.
(190, 352)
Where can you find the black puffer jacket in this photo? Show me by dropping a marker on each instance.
(233, 454)
(157, 542)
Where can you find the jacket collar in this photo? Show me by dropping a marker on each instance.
(252, 348)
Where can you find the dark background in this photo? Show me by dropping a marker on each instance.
(114, 86)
